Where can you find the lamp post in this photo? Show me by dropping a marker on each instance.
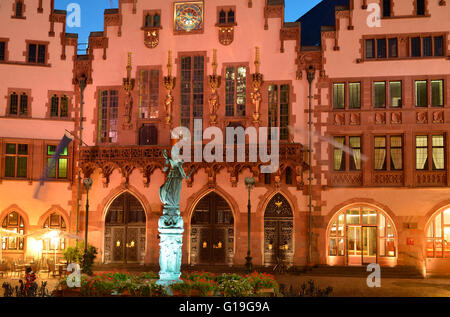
(310, 76)
(87, 182)
(249, 183)
(82, 85)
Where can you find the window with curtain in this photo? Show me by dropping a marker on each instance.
(148, 94)
(396, 149)
(13, 222)
(380, 153)
(108, 116)
(16, 160)
(54, 221)
(59, 170)
(235, 91)
(421, 152)
(437, 93)
(395, 94)
(339, 157)
(421, 93)
(355, 160)
(339, 96)
(438, 152)
(379, 94)
(354, 95)
(438, 235)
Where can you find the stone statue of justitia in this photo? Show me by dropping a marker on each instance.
(170, 191)
(170, 225)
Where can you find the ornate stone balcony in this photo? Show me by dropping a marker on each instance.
(147, 159)
(431, 178)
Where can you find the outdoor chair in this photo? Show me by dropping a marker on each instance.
(4, 269)
(51, 267)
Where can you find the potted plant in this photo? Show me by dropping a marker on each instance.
(203, 287)
(181, 289)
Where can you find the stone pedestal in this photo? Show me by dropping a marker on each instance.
(171, 240)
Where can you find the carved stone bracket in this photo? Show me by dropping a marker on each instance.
(339, 119)
(396, 117)
(422, 117)
(438, 116)
(380, 118)
(355, 118)
(226, 35)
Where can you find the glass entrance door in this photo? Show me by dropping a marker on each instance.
(354, 245)
(361, 245)
(369, 245)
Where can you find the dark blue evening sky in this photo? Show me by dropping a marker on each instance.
(92, 13)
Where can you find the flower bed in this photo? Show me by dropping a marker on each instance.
(194, 284)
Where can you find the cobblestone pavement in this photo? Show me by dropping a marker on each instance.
(357, 286)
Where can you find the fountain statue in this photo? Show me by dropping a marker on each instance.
(170, 225)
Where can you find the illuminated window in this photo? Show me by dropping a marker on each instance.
(339, 96)
(54, 221)
(59, 170)
(437, 93)
(339, 157)
(380, 152)
(354, 95)
(361, 233)
(438, 235)
(235, 91)
(379, 94)
(434, 149)
(13, 222)
(108, 116)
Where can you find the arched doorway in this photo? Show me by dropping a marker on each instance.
(361, 234)
(125, 230)
(278, 229)
(212, 231)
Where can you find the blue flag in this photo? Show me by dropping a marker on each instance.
(51, 165)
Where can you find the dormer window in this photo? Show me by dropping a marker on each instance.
(226, 15)
(152, 19)
(19, 9)
(420, 7)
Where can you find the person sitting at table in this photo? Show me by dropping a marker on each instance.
(30, 277)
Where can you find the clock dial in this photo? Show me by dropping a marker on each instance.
(188, 16)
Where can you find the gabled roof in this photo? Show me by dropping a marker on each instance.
(323, 14)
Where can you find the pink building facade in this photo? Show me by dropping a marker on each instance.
(379, 98)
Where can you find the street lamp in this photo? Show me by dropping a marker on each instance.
(87, 182)
(310, 76)
(249, 183)
(82, 85)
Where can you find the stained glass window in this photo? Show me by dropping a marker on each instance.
(13, 222)
(188, 16)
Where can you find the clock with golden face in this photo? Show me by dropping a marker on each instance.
(188, 16)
